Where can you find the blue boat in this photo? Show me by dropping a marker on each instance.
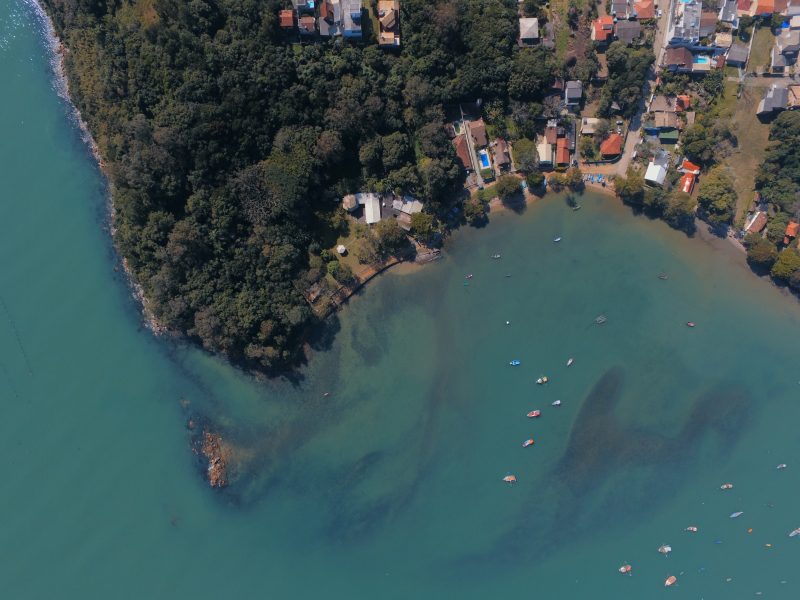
(514, 363)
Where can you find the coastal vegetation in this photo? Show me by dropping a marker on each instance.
(226, 145)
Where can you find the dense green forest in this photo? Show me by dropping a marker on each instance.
(226, 145)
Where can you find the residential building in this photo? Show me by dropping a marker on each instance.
(686, 184)
(678, 59)
(644, 9)
(462, 151)
(528, 31)
(389, 19)
(685, 23)
(501, 154)
(682, 102)
(743, 7)
(657, 170)
(573, 93)
(611, 147)
(621, 9)
(562, 152)
(551, 131)
(287, 19)
(728, 13)
(737, 55)
(329, 22)
(351, 19)
(372, 207)
(689, 167)
(662, 104)
(603, 29)
(794, 96)
(708, 23)
(756, 223)
(794, 22)
(784, 53)
(792, 229)
(545, 152)
(627, 31)
(666, 120)
(307, 25)
(775, 100)
(304, 6)
(477, 129)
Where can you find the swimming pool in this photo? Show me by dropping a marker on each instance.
(483, 155)
(701, 60)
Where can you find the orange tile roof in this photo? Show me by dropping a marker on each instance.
(758, 223)
(792, 229)
(743, 5)
(603, 28)
(562, 152)
(765, 7)
(286, 18)
(462, 151)
(683, 102)
(644, 9)
(687, 183)
(690, 167)
(612, 145)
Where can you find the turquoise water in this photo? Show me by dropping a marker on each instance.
(484, 157)
(702, 60)
(391, 486)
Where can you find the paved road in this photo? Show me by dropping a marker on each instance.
(634, 129)
(765, 81)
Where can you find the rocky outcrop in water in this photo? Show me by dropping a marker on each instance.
(213, 449)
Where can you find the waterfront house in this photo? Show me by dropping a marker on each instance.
(462, 151)
(372, 207)
(685, 23)
(775, 100)
(737, 55)
(330, 18)
(657, 169)
(562, 152)
(477, 129)
(573, 93)
(545, 152)
(644, 9)
(678, 60)
(501, 154)
(756, 223)
(528, 31)
(602, 29)
(287, 19)
(792, 229)
(611, 147)
(627, 31)
(351, 19)
(389, 20)
(689, 167)
(686, 184)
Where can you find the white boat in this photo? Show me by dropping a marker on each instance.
(570, 361)
(665, 549)
(625, 569)
(737, 514)
(496, 256)
(781, 466)
(794, 532)
(542, 380)
(691, 529)
(557, 239)
(556, 403)
(600, 319)
(726, 486)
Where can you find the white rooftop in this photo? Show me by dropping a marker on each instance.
(372, 206)
(655, 174)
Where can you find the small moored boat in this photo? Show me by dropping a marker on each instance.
(670, 581)
(794, 532)
(726, 486)
(577, 207)
(626, 569)
(692, 529)
(557, 239)
(690, 324)
(556, 403)
(542, 380)
(514, 363)
(496, 256)
(737, 514)
(665, 549)
(527, 443)
(781, 466)
(600, 319)
(510, 479)
(534, 413)
(570, 361)
(663, 276)
(468, 276)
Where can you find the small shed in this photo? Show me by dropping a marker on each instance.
(341, 249)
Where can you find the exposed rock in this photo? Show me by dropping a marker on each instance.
(213, 449)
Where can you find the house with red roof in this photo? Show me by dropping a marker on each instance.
(757, 223)
(603, 29)
(611, 147)
(562, 152)
(683, 103)
(689, 167)
(792, 229)
(687, 183)
(286, 18)
(462, 151)
(644, 9)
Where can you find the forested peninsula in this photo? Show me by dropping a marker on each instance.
(227, 145)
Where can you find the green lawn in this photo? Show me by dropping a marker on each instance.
(760, 52)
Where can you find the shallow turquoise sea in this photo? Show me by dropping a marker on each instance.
(391, 487)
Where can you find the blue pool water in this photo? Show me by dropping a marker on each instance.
(484, 158)
(701, 60)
